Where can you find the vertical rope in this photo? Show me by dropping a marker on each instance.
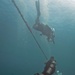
(28, 28)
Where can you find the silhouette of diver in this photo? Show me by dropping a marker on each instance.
(44, 29)
(50, 67)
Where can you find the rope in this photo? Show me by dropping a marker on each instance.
(28, 28)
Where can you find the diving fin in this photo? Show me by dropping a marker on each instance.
(38, 7)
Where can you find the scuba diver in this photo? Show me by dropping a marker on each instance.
(50, 67)
(44, 29)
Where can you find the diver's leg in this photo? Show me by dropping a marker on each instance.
(37, 21)
(38, 7)
(38, 11)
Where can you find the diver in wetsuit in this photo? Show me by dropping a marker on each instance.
(44, 29)
(50, 67)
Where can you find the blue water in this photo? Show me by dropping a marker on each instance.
(19, 53)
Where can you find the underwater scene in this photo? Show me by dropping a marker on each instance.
(37, 37)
